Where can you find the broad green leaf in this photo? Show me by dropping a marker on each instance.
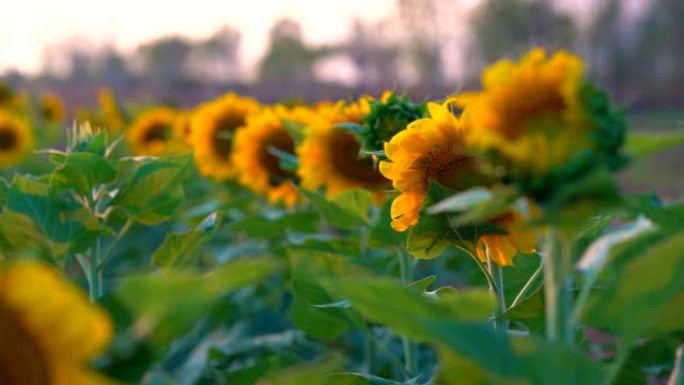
(258, 227)
(313, 310)
(434, 233)
(4, 190)
(82, 171)
(154, 192)
(168, 304)
(68, 225)
(346, 212)
(645, 297)
(18, 233)
(178, 249)
(305, 374)
(404, 308)
(640, 144)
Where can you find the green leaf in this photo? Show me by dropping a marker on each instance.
(167, 305)
(178, 249)
(649, 289)
(313, 310)
(640, 144)
(258, 227)
(305, 374)
(434, 233)
(348, 211)
(408, 307)
(18, 233)
(69, 226)
(82, 171)
(154, 192)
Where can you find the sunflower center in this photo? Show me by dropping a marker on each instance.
(8, 139)
(21, 362)
(225, 126)
(156, 132)
(346, 160)
(451, 168)
(535, 106)
(281, 141)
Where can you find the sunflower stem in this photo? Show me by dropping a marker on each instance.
(496, 288)
(410, 347)
(677, 376)
(618, 361)
(558, 288)
(94, 273)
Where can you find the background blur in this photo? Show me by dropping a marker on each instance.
(184, 52)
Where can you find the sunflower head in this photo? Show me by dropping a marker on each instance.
(330, 157)
(264, 153)
(152, 132)
(52, 108)
(387, 117)
(16, 139)
(430, 149)
(51, 343)
(111, 110)
(182, 127)
(213, 127)
(501, 248)
(538, 117)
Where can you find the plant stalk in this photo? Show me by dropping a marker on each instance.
(410, 347)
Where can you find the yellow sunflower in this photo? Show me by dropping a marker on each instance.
(329, 156)
(52, 108)
(212, 128)
(503, 247)
(434, 149)
(182, 127)
(16, 139)
(530, 111)
(260, 169)
(111, 110)
(152, 132)
(48, 329)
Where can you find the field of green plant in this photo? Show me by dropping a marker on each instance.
(520, 233)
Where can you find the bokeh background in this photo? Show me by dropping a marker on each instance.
(184, 52)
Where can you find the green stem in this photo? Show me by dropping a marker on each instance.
(496, 289)
(618, 361)
(410, 347)
(369, 351)
(122, 232)
(677, 376)
(522, 294)
(94, 273)
(558, 288)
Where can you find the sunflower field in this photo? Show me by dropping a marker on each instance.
(478, 239)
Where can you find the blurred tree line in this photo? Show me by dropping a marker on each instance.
(636, 55)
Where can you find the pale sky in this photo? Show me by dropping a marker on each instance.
(28, 26)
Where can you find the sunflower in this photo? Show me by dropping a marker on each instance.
(531, 112)
(433, 149)
(52, 108)
(329, 155)
(182, 127)
(253, 153)
(16, 139)
(151, 133)
(48, 329)
(503, 247)
(387, 117)
(212, 128)
(111, 110)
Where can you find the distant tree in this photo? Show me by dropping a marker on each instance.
(165, 59)
(507, 28)
(217, 57)
(289, 59)
(376, 58)
(419, 21)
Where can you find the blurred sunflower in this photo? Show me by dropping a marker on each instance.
(531, 111)
(152, 132)
(16, 139)
(212, 128)
(329, 156)
(503, 247)
(111, 109)
(259, 149)
(433, 149)
(52, 108)
(182, 127)
(387, 117)
(49, 331)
